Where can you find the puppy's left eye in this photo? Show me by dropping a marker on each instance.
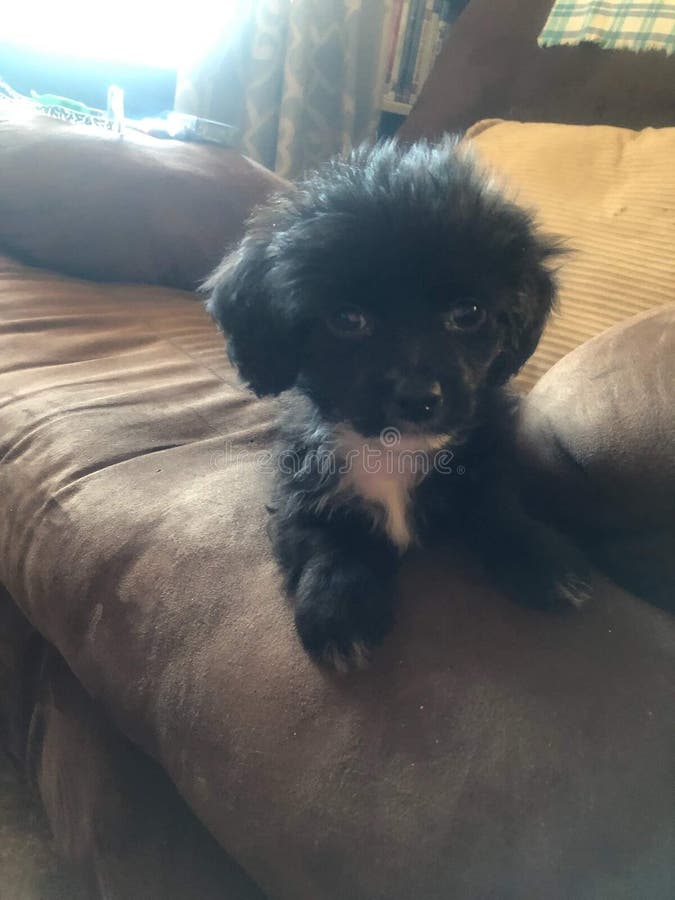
(465, 316)
(350, 322)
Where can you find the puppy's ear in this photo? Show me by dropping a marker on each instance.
(525, 318)
(258, 317)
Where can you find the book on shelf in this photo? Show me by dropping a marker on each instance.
(418, 29)
(410, 47)
(394, 24)
(398, 41)
(426, 46)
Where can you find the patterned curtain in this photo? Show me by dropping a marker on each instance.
(302, 79)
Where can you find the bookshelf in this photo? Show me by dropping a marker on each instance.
(416, 30)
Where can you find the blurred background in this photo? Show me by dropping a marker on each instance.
(300, 79)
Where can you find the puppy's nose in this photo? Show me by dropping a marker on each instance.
(418, 403)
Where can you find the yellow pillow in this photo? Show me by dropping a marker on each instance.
(610, 193)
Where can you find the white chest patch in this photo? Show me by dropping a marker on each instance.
(384, 476)
(389, 497)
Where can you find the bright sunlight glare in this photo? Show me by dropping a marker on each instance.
(144, 32)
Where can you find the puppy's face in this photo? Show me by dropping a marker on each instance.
(395, 289)
(405, 333)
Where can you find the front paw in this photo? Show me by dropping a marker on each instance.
(536, 565)
(541, 583)
(572, 588)
(342, 611)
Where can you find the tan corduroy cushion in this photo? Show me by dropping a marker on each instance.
(610, 192)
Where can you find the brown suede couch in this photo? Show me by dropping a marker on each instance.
(489, 751)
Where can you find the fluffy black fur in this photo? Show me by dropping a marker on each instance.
(395, 289)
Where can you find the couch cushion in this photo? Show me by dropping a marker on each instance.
(483, 748)
(610, 193)
(83, 201)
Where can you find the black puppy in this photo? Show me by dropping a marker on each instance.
(396, 292)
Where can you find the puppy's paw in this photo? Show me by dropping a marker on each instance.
(573, 589)
(341, 613)
(539, 584)
(537, 566)
(346, 659)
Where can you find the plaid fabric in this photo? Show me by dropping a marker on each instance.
(614, 24)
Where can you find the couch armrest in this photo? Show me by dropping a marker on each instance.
(88, 203)
(598, 434)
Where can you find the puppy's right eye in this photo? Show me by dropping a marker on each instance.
(350, 322)
(466, 316)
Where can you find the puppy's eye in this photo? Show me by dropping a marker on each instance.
(465, 316)
(350, 322)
